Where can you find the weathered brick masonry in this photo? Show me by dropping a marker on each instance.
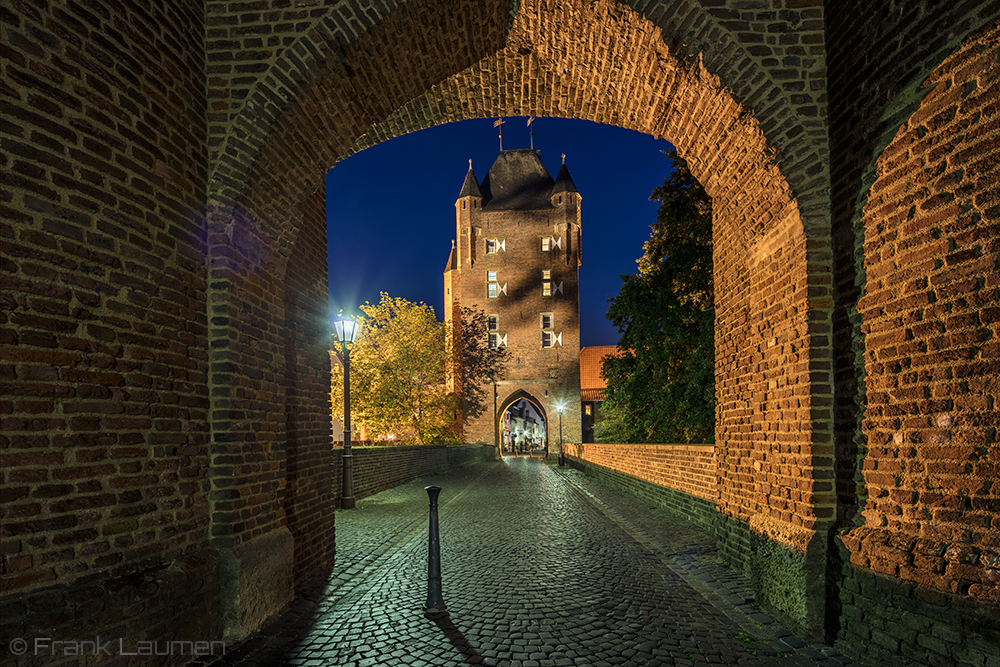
(915, 213)
(380, 468)
(679, 478)
(163, 300)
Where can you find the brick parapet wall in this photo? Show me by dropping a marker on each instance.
(376, 469)
(677, 478)
(690, 469)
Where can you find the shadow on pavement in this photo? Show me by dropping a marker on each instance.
(457, 639)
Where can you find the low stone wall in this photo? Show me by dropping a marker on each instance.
(380, 468)
(677, 478)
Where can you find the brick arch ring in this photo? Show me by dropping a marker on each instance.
(511, 400)
(682, 74)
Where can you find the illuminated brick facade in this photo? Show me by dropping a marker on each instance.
(517, 258)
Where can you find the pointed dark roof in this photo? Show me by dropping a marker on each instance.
(471, 186)
(517, 180)
(450, 266)
(564, 182)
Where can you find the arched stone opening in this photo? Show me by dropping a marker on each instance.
(161, 164)
(506, 404)
(720, 104)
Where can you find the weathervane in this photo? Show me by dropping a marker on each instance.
(500, 121)
(531, 118)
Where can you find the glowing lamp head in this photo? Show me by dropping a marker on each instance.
(347, 332)
(561, 407)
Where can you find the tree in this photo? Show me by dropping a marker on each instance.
(661, 388)
(482, 365)
(398, 373)
(398, 370)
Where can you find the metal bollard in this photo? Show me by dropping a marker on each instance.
(435, 603)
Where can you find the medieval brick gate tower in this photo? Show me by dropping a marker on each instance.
(517, 258)
(164, 318)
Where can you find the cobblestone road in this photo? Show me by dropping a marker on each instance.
(540, 566)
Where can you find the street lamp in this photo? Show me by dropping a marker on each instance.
(562, 457)
(347, 333)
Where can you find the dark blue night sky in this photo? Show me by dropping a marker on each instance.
(391, 215)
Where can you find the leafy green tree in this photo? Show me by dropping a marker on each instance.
(398, 369)
(661, 388)
(398, 373)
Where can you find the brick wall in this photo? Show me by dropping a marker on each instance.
(308, 496)
(379, 468)
(161, 163)
(102, 322)
(914, 131)
(690, 469)
(678, 478)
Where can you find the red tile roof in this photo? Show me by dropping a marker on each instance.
(591, 362)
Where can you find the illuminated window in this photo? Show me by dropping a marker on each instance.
(551, 242)
(494, 288)
(586, 409)
(546, 288)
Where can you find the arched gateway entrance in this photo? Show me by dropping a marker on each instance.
(522, 426)
(164, 224)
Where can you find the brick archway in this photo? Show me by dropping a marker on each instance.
(162, 320)
(510, 400)
(686, 76)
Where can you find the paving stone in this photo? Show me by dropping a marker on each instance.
(541, 567)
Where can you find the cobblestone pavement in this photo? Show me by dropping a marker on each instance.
(540, 566)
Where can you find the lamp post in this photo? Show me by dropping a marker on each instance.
(347, 333)
(562, 458)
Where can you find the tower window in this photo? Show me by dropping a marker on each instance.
(551, 243)
(551, 339)
(494, 246)
(492, 322)
(496, 340)
(546, 320)
(494, 288)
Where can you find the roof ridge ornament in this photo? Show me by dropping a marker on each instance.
(499, 123)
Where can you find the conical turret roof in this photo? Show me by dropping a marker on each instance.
(564, 182)
(471, 186)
